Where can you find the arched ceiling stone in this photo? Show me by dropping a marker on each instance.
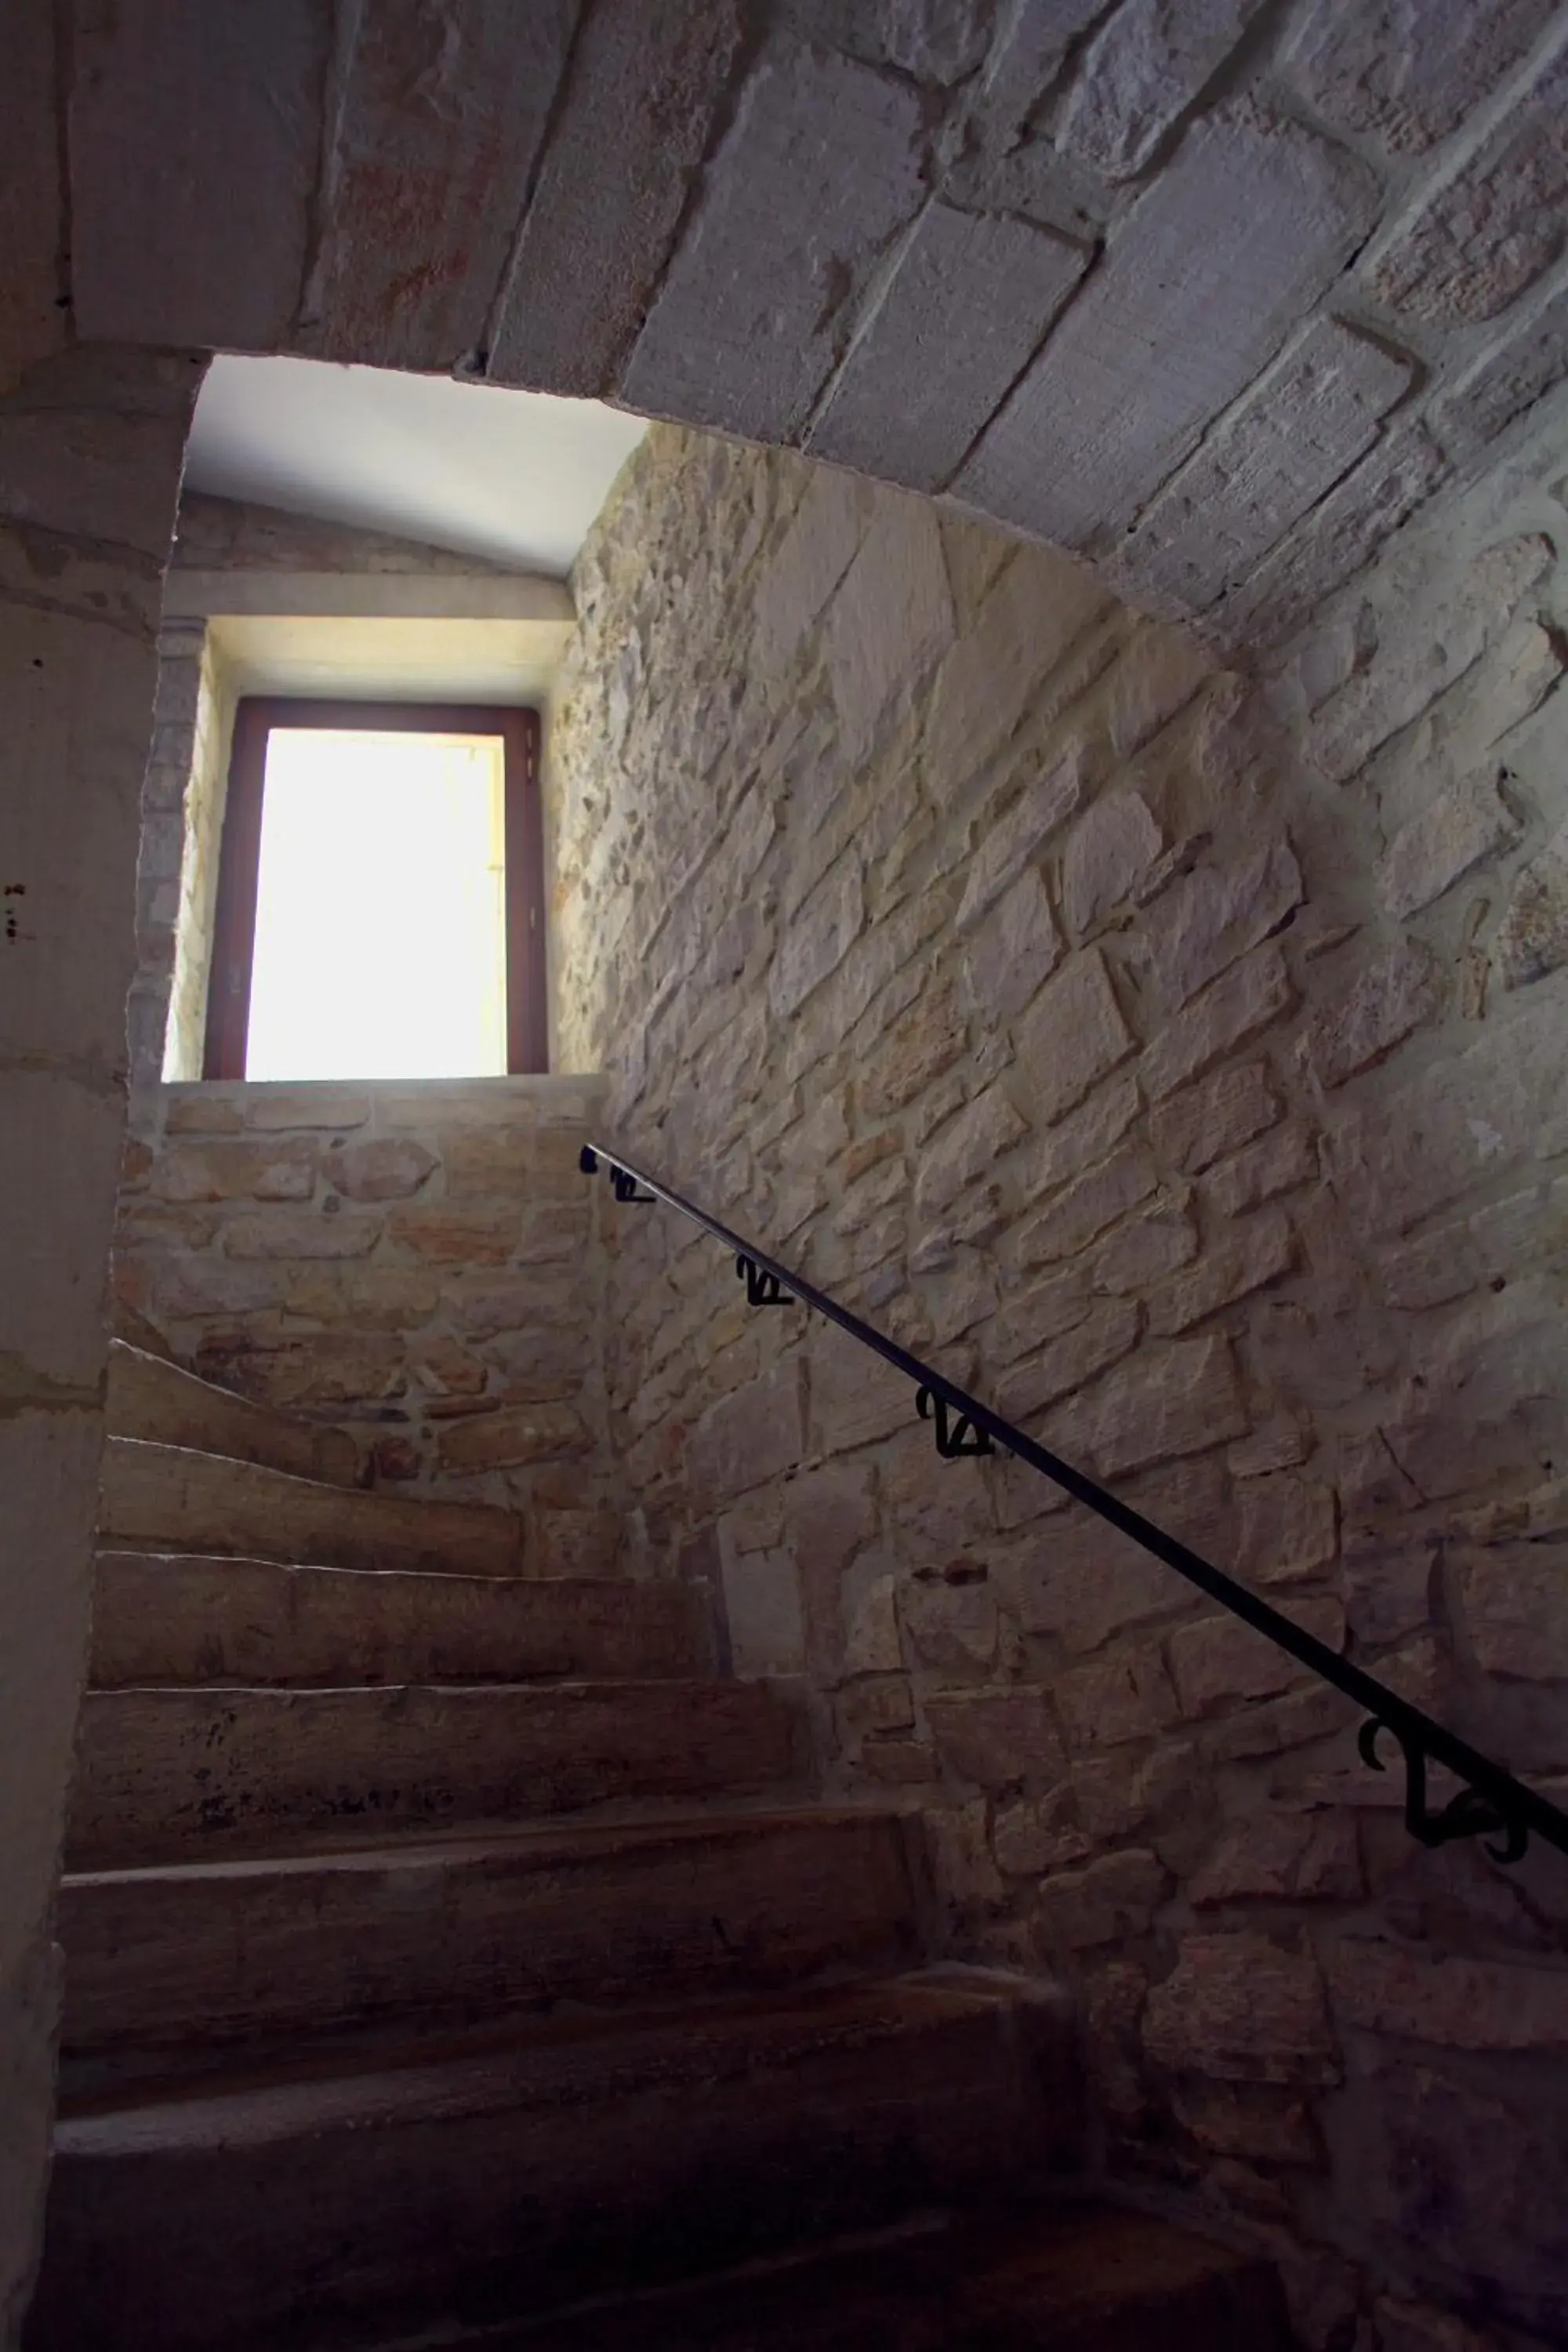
(1214, 295)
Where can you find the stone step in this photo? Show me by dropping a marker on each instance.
(171, 1498)
(180, 1775)
(151, 1399)
(185, 1959)
(175, 1619)
(485, 2180)
(1068, 2277)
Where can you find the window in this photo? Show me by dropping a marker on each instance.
(380, 904)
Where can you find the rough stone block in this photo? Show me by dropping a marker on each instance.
(438, 1232)
(443, 179)
(1267, 464)
(1331, 545)
(1108, 1332)
(1007, 845)
(1194, 1129)
(953, 1624)
(937, 41)
(1487, 232)
(1169, 1402)
(510, 1439)
(1229, 1011)
(763, 1605)
(1088, 1206)
(1108, 1902)
(1254, 1252)
(194, 139)
(1288, 1528)
(1532, 938)
(891, 619)
(1282, 1160)
(340, 1367)
(814, 945)
(284, 1171)
(1151, 1247)
(1516, 1606)
(1013, 950)
(1246, 229)
(387, 1168)
(1283, 1857)
(1108, 855)
(756, 1433)
(904, 1063)
(819, 168)
(1139, 75)
(1407, 76)
(966, 1148)
(1237, 2008)
(970, 303)
(1073, 1036)
(996, 1738)
(1085, 1136)
(1221, 1659)
(1397, 1157)
(1125, 1696)
(1455, 833)
(1031, 1836)
(813, 557)
(272, 1107)
(1214, 915)
(1002, 670)
(1398, 988)
(593, 246)
(1459, 2003)
(300, 1234)
(1505, 381)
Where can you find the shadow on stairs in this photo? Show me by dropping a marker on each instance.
(454, 1958)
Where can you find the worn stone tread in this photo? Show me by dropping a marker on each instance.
(183, 1618)
(166, 1775)
(177, 1499)
(573, 2154)
(1064, 2277)
(161, 1402)
(195, 1957)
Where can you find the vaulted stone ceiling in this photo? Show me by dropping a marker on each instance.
(1216, 294)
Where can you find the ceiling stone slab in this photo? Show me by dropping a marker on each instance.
(1295, 434)
(968, 308)
(820, 171)
(195, 136)
(441, 126)
(1220, 259)
(594, 244)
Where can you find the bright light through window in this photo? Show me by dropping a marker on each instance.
(380, 907)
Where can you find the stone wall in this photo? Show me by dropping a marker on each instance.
(418, 1263)
(90, 447)
(1178, 1057)
(182, 802)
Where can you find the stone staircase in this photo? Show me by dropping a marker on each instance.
(452, 1958)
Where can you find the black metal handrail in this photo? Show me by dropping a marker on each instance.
(1492, 1800)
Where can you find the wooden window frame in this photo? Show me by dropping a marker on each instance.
(239, 861)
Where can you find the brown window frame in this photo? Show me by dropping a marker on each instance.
(239, 861)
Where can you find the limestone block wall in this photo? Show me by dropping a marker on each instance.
(417, 1262)
(183, 802)
(90, 447)
(1178, 1056)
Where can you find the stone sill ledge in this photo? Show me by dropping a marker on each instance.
(233, 1104)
